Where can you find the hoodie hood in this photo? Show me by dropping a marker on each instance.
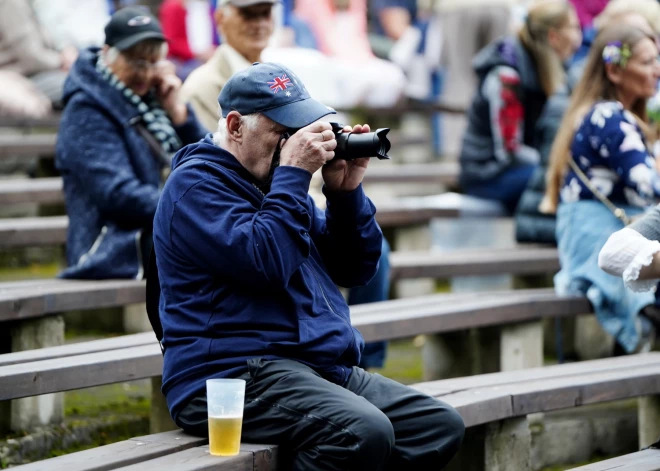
(84, 78)
(507, 51)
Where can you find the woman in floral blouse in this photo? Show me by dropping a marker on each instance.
(602, 146)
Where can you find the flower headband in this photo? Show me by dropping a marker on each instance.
(616, 53)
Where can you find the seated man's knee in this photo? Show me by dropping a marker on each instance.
(450, 430)
(375, 435)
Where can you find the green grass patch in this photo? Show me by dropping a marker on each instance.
(403, 362)
(28, 272)
(114, 399)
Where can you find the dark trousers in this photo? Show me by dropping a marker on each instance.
(371, 423)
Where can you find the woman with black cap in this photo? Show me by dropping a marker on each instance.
(122, 122)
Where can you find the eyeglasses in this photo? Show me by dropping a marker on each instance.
(142, 65)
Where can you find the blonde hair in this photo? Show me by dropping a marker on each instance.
(615, 9)
(544, 15)
(594, 86)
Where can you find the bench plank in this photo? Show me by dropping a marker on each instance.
(80, 371)
(250, 458)
(484, 405)
(124, 453)
(80, 348)
(27, 145)
(67, 295)
(445, 173)
(23, 232)
(49, 190)
(476, 312)
(33, 190)
(446, 386)
(51, 230)
(516, 261)
(645, 460)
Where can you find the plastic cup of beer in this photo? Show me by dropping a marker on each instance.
(224, 399)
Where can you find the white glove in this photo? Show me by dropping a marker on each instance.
(625, 253)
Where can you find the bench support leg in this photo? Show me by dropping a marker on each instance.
(591, 341)
(648, 410)
(136, 319)
(30, 412)
(521, 346)
(507, 445)
(500, 446)
(447, 356)
(407, 239)
(159, 417)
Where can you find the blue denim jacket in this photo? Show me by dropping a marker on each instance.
(583, 227)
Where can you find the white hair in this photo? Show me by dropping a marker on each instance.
(250, 121)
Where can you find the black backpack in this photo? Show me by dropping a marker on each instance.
(153, 299)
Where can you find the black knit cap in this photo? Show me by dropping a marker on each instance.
(129, 26)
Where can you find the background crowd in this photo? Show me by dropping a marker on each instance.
(560, 98)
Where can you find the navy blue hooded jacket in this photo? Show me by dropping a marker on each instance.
(111, 176)
(244, 275)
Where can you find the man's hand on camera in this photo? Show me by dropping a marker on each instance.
(309, 148)
(342, 175)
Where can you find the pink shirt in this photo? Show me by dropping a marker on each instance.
(587, 10)
(341, 34)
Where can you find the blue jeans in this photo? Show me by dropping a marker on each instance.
(378, 289)
(507, 187)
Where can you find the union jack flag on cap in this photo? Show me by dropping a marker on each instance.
(280, 83)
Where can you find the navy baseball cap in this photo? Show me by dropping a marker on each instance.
(274, 91)
(131, 25)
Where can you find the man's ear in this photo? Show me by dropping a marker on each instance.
(614, 73)
(234, 127)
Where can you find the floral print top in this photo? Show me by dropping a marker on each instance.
(610, 148)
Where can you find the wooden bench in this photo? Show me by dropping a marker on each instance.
(646, 460)
(49, 190)
(28, 144)
(52, 121)
(494, 405)
(516, 315)
(403, 212)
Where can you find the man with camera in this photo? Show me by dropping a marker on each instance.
(248, 267)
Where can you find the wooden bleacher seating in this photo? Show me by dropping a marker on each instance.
(407, 211)
(31, 145)
(501, 398)
(49, 190)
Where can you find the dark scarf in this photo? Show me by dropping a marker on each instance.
(155, 119)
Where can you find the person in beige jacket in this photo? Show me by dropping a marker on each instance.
(246, 27)
(25, 50)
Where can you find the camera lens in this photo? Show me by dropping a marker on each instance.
(355, 146)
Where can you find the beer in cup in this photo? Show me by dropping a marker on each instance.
(224, 399)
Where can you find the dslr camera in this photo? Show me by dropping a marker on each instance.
(354, 146)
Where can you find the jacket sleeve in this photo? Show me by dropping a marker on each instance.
(192, 130)
(507, 116)
(91, 149)
(220, 231)
(348, 237)
(649, 225)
